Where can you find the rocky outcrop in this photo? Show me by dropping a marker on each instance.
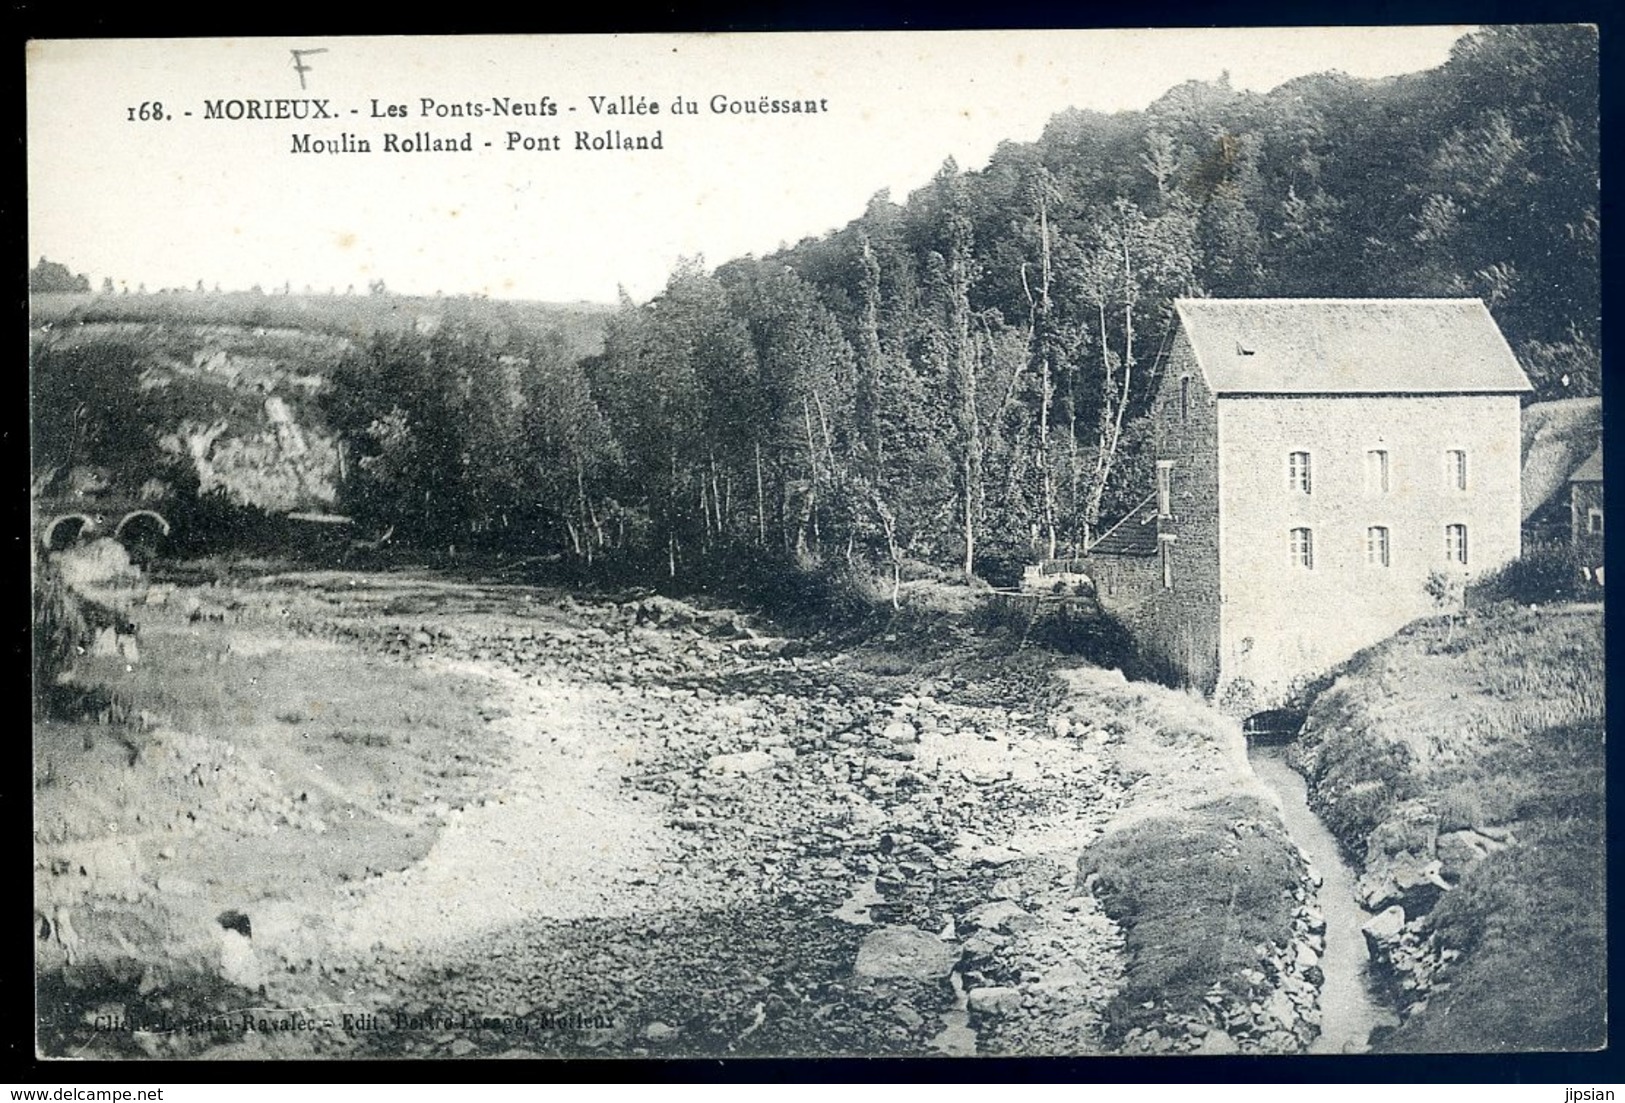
(1413, 858)
(1410, 865)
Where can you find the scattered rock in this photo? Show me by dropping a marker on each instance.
(1217, 1043)
(742, 762)
(993, 1001)
(905, 952)
(659, 1033)
(1002, 916)
(901, 732)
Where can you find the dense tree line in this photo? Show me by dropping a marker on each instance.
(48, 276)
(960, 379)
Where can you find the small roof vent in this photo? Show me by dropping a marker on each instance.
(1243, 350)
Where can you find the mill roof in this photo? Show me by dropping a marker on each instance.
(1591, 470)
(1349, 346)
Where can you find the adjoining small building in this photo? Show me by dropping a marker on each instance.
(1586, 512)
(1558, 437)
(1585, 500)
(1316, 461)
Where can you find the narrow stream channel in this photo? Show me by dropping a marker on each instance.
(1349, 1010)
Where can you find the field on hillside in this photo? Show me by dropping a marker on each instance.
(1557, 436)
(1470, 754)
(349, 316)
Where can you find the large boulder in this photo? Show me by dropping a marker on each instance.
(1460, 851)
(1383, 930)
(992, 1002)
(1411, 828)
(1407, 879)
(905, 952)
(901, 732)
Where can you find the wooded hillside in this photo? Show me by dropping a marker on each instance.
(958, 379)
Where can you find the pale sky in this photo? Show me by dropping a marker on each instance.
(171, 202)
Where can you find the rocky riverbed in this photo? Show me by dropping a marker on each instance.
(658, 829)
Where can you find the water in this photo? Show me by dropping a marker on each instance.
(1349, 1009)
(957, 1038)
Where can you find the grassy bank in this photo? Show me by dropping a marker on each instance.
(1200, 874)
(1478, 744)
(244, 768)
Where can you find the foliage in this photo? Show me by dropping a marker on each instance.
(89, 410)
(963, 378)
(453, 439)
(60, 629)
(48, 276)
(1548, 573)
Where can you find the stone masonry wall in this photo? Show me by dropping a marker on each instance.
(1282, 622)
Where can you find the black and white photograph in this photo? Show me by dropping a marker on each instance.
(934, 544)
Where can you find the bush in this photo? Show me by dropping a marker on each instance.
(1543, 574)
(60, 629)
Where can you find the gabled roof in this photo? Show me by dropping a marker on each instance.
(1591, 470)
(1349, 346)
(1135, 534)
(1557, 437)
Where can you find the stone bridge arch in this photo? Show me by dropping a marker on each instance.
(135, 514)
(1278, 725)
(82, 524)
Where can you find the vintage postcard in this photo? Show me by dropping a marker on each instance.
(998, 543)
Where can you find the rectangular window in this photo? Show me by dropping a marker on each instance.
(1165, 547)
(1303, 549)
(1376, 471)
(1185, 398)
(1594, 522)
(1297, 472)
(1376, 546)
(1455, 469)
(1165, 489)
(1455, 543)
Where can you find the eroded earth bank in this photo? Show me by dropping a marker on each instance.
(398, 813)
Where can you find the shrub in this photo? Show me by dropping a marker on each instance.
(1359, 776)
(60, 629)
(1544, 574)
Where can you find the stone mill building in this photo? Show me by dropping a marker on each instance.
(1316, 461)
